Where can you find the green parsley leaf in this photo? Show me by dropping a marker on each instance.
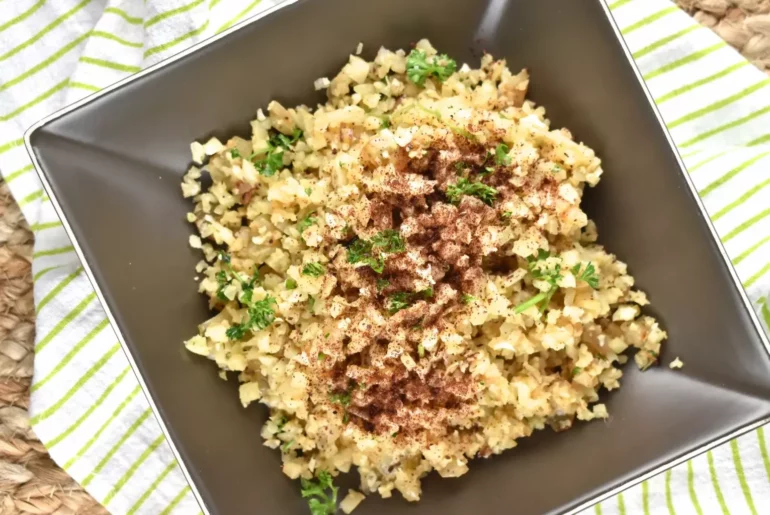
(306, 222)
(310, 303)
(382, 284)
(281, 422)
(455, 192)
(272, 161)
(467, 299)
(421, 350)
(313, 269)
(589, 275)
(343, 399)
(319, 501)
(260, 315)
(460, 166)
(372, 252)
(390, 241)
(576, 371)
(286, 446)
(419, 67)
(506, 215)
(291, 284)
(235, 153)
(321, 356)
(308, 191)
(398, 301)
(223, 281)
(427, 293)
(501, 155)
(550, 275)
(556, 169)
(385, 123)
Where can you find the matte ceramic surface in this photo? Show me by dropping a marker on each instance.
(113, 167)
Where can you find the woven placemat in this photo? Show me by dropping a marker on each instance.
(30, 482)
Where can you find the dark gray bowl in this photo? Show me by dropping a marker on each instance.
(112, 165)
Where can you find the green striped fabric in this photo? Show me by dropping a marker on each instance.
(87, 406)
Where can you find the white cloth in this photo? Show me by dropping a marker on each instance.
(86, 403)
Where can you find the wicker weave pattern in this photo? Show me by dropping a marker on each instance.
(30, 482)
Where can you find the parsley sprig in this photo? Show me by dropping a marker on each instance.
(272, 160)
(549, 274)
(260, 315)
(319, 501)
(419, 67)
(372, 252)
(501, 155)
(403, 299)
(398, 301)
(589, 275)
(455, 192)
(306, 222)
(226, 276)
(313, 269)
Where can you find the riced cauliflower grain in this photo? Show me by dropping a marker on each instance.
(404, 275)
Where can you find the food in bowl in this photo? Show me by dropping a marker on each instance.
(405, 277)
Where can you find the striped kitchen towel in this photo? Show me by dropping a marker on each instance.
(87, 406)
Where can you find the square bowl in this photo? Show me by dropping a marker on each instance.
(112, 165)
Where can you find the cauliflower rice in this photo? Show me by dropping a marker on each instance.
(404, 275)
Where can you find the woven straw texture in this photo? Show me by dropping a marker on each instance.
(30, 482)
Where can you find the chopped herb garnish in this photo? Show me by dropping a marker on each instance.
(281, 422)
(421, 350)
(319, 501)
(576, 371)
(385, 122)
(589, 275)
(556, 169)
(382, 284)
(501, 155)
(394, 434)
(272, 161)
(260, 315)
(308, 191)
(313, 269)
(343, 399)
(388, 241)
(223, 281)
(467, 299)
(506, 215)
(321, 356)
(460, 166)
(285, 447)
(291, 284)
(306, 222)
(455, 192)
(226, 276)
(310, 303)
(398, 301)
(235, 153)
(427, 293)
(419, 67)
(326, 336)
(550, 275)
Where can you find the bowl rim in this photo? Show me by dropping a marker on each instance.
(29, 133)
